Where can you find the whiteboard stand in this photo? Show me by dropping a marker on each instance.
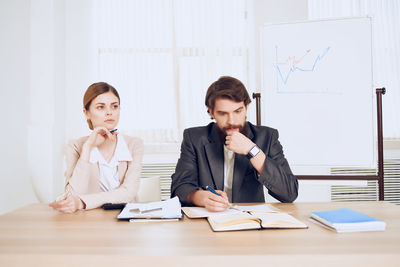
(380, 174)
(257, 97)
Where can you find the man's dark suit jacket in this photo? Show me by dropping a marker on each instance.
(201, 163)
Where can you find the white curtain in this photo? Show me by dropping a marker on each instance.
(162, 55)
(386, 47)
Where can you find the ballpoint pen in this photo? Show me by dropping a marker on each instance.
(111, 131)
(144, 211)
(212, 190)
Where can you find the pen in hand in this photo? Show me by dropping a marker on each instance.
(212, 190)
(111, 131)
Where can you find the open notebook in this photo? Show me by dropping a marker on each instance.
(245, 218)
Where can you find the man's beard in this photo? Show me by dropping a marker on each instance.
(223, 131)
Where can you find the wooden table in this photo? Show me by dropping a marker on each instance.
(38, 236)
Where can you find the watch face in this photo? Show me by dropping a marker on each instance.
(254, 151)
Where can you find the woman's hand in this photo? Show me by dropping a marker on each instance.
(68, 205)
(98, 136)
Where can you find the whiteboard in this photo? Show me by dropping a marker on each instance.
(317, 90)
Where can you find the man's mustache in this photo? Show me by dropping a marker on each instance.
(240, 127)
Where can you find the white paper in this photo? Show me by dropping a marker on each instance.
(167, 209)
(205, 213)
(262, 207)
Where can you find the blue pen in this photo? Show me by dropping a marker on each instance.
(212, 190)
(111, 132)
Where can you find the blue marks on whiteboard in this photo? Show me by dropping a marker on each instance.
(308, 62)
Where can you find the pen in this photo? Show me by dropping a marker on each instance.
(144, 211)
(212, 190)
(155, 209)
(111, 131)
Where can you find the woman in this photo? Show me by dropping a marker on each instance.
(103, 167)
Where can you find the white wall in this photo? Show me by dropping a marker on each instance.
(47, 61)
(15, 183)
(62, 64)
(80, 63)
(33, 79)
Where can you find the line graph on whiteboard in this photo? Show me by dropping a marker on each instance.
(299, 73)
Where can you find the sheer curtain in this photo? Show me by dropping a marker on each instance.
(135, 54)
(386, 47)
(161, 55)
(211, 42)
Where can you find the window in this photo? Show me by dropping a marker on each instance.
(162, 55)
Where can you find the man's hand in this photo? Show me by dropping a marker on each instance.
(210, 201)
(238, 143)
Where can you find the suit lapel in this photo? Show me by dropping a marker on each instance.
(215, 157)
(240, 167)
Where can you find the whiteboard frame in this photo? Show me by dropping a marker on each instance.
(325, 169)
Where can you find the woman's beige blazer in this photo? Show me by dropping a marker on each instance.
(82, 177)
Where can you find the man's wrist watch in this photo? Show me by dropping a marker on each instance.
(253, 152)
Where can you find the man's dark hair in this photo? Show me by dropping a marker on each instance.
(229, 88)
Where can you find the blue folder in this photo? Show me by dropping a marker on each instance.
(347, 220)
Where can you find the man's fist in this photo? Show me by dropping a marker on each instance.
(238, 143)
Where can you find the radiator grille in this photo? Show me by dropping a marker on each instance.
(392, 180)
(164, 170)
(370, 191)
(338, 192)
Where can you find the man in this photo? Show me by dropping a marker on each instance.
(232, 156)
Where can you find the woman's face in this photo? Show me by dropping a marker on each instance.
(104, 111)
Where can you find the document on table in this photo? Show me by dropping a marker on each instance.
(199, 212)
(167, 209)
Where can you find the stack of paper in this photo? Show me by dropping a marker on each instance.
(347, 220)
(168, 209)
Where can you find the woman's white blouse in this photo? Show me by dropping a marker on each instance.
(109, 179)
